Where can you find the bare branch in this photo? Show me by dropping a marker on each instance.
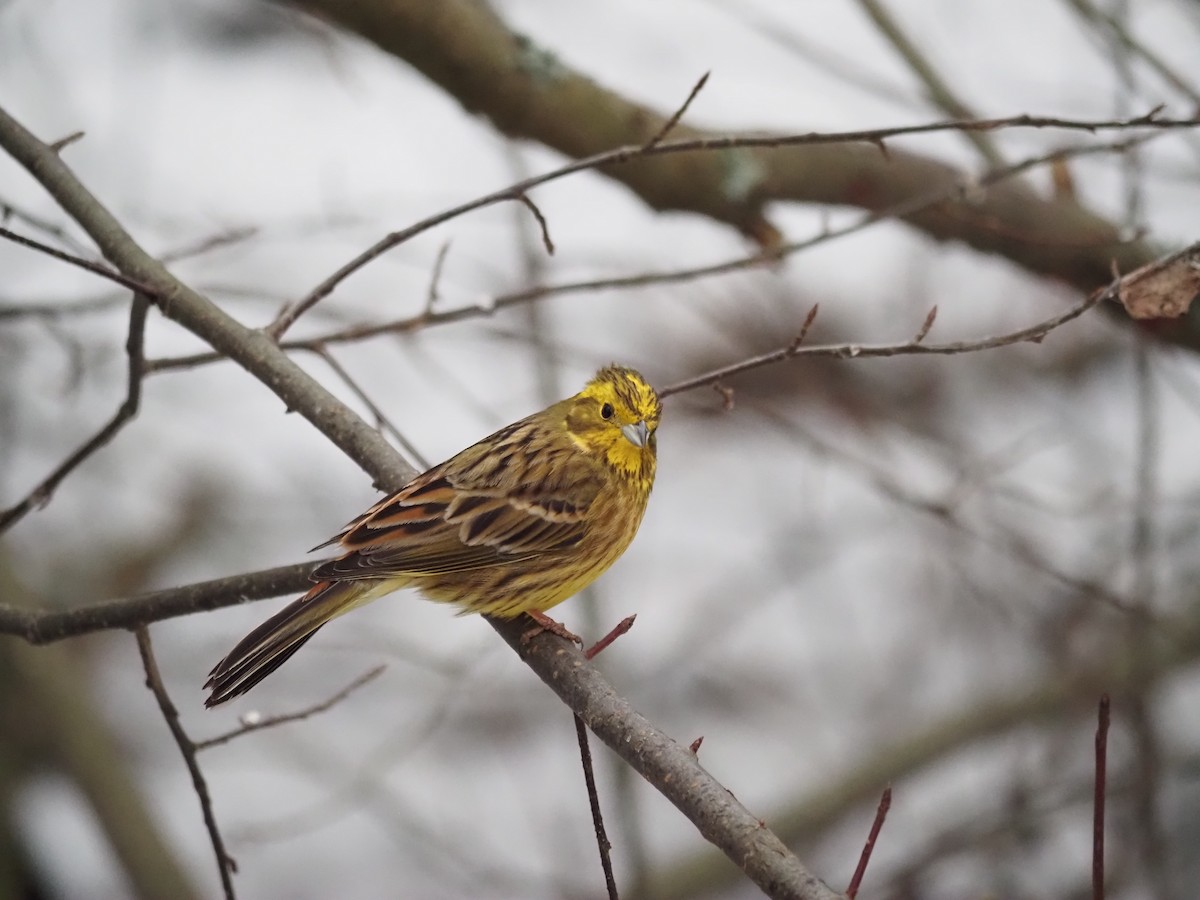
(251, 349)
(1089, 12)
(48, 626)
(589, 777)
(793, 350)
(10, 210)
(79, 262)
(672, 768)
(938, 91)
(623, 155)
(274, 721)
(225, 863)
(41, 494)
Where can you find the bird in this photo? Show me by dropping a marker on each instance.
(514, 524)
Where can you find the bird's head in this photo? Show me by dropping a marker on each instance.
(616, 416)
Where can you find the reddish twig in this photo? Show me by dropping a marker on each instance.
(885, 803)
(601, 645)
(225, 863)
(273, 721)
(923, 332)
(1098, 800)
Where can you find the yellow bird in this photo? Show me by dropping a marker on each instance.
(516, 523)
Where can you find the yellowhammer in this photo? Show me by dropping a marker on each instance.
(514, 524)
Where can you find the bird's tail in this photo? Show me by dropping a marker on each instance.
(270, 645)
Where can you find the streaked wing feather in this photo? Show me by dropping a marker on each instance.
(446, 521)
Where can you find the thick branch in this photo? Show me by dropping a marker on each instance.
(251, 349)
(671, 767)
(468, 51)
(47, 626)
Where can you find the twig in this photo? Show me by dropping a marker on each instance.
(1122, 35)
(589, 777)
(855, 351)
(670, 767)
(907, 207)
(273, 721)
(64, 142)
(94, 267)
(205, 245)
(628, 153)
(669, 125)
(9, 210)
(225, 863)
(413, 455)
(1098, 800)
(939, 92)
(57, 310)
(431, 296)
(885, 803)
(248, 347)
(601, 645)
(923, 332)
(541, 220)
(41, 494)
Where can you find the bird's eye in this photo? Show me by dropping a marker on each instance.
(607, 411)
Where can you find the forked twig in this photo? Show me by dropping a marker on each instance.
(134, 343)
(622, 155)
(225, 863)
(794, 349)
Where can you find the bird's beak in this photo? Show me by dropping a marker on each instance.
(637, 434)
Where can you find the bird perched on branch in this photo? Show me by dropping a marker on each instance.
(515, 524)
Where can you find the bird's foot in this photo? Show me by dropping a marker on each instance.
(545, 623)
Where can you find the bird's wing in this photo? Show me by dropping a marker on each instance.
(447, 521)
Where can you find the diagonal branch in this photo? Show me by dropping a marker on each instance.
(249, 348)
(671, 767)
